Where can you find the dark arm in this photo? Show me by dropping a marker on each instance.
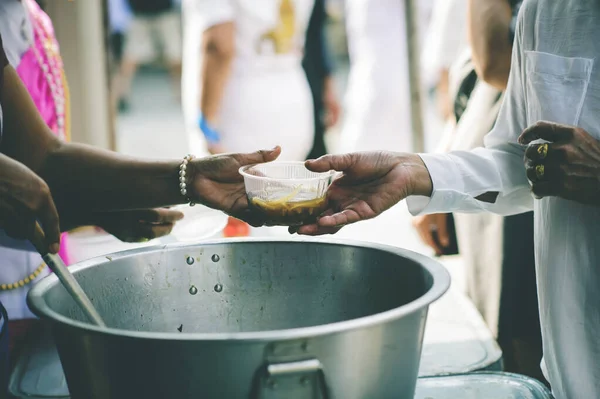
(79, 176)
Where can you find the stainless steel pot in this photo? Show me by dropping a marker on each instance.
(246, 319)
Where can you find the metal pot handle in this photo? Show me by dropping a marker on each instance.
(291, 380)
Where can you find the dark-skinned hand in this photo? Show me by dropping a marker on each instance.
(567, 166)
(371, 183)
(218, 184)
(24, 199)
(138, 225)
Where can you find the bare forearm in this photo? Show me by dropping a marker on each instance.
(82, 179)
(86, 178)
(489, 32)
(217, 59)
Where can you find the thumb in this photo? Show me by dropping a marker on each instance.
(443, 234)
(326, 163)
(259, 156)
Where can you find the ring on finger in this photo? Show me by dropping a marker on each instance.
(542, 150)
(539, 172)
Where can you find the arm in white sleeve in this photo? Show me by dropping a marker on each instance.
(460, 177)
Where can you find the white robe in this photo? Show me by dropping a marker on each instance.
(554, 77)
(267, 100)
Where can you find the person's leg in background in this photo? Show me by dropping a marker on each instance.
(117, 40)
(317, 67)
(169, 29)
(519, 331)
(139, 48)
(319, 147)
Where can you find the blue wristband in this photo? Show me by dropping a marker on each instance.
(211, 135)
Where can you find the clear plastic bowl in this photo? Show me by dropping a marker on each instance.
(286, 193)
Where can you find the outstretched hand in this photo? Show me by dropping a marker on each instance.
(218, 184)
(371, 183)
(139, 225)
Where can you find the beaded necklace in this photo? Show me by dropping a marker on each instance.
(52, 68)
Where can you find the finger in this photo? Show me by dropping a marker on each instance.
(261, 156)
(316, 230)
(442, 230)
(552, 132)
(48, 217)
(331, 162)
(152, 231)
(427, 236)
(422, 225)
(538, 152)
(537, 173)
(159, 215)
(17, 221)
(347, 216)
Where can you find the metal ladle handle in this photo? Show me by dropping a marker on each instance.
(55, 263)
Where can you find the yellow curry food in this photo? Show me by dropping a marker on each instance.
(291, 209)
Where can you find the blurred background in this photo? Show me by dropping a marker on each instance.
(124, 60)
(164, 78)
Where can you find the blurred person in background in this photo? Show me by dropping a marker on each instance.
(32, 50)
(119, 16)
(243, 83)
(151, 19)
(377, 102)
(498, 251)
(445, 41)
(318, 68)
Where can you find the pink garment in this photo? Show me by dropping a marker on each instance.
(35, 80)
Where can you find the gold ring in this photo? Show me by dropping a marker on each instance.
(542, 150)
(539, 172)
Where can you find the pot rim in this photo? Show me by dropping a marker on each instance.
(439, 274)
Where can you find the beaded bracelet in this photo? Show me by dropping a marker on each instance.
(182, 177)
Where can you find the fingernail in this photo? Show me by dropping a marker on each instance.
(54, 248)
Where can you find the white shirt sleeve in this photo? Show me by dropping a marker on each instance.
(209, 13)
(459, 177)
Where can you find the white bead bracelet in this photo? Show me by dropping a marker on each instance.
(182, 177)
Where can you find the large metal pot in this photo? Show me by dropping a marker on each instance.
(246, 319)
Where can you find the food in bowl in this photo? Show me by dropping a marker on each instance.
(290, 212)
(286, 193)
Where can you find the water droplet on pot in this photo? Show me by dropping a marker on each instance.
(218, 287)
(190, 260)
(215, 258)
(193, 290)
